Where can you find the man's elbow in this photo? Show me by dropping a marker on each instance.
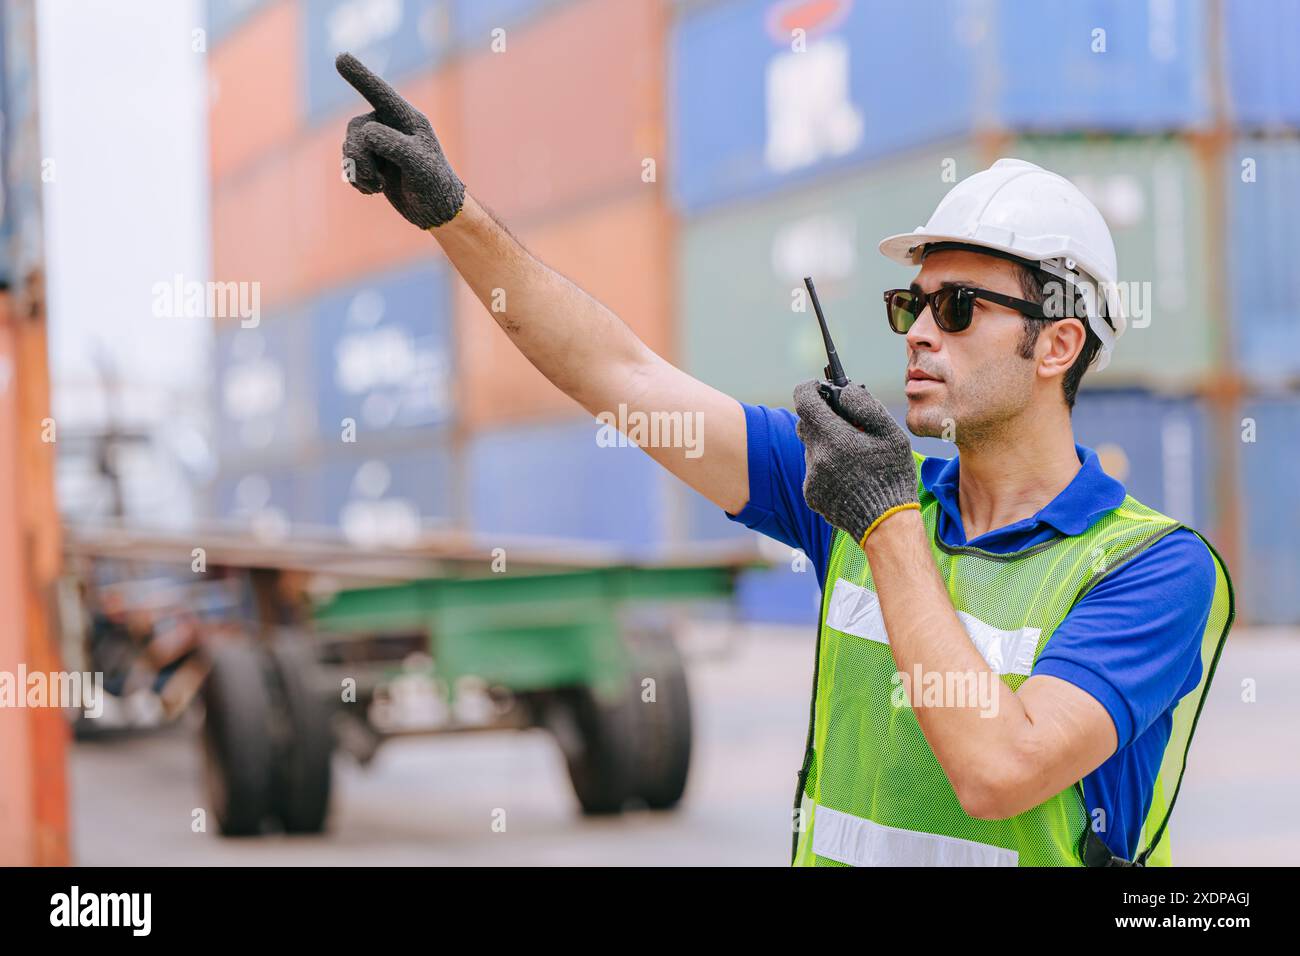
(992, 793)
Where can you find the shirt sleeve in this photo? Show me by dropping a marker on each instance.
(1134, 641)
(776, 505)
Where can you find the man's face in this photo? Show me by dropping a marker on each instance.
(967, 386)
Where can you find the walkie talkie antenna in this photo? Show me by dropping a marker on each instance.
(834, 371)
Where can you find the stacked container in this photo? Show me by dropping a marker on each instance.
(687, 163)
(1260, 175)
(377, 397)
(803, 132)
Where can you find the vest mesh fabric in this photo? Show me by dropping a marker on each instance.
(868, 758)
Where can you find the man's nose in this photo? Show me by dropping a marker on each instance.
(925, 332)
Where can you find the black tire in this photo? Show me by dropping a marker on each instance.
(600, 759)
(237, 746)
(663, 757)
(300, 793)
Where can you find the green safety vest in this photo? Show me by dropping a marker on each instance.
(872, 793)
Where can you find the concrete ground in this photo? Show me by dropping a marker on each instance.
(431, 801)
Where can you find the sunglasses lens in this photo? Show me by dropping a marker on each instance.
(953, 310)
(903, 308)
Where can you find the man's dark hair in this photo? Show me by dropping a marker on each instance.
(1032, 283)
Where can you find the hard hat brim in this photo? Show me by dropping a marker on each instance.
(905, 248)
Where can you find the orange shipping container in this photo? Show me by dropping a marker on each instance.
(292, 223)
(569, 111)
(256, 100)
(619, 253)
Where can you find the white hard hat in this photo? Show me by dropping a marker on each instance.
(1024, 211)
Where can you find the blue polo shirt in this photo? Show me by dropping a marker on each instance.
(1133, 642)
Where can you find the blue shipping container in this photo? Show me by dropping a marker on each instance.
(382, 353)
(1264, 231)
(1101, 64)
(6, 225)
(751, 114)
(472, 21)
(386, 498)
(1263, 71)
(263, 389)
(267, 502)
(226, 16)
(786, 593)
(392, 37)
(556, 481)
(1266, 583)
(1159, 447)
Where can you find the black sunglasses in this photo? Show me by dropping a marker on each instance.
(952, 306)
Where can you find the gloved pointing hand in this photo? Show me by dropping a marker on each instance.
(393, 149)
(860, 470)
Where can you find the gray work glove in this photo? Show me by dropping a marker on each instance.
(859, 469)
(393, 149)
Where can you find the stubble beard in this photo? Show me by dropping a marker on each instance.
(983, 408)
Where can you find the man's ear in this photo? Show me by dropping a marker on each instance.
(1059, 346)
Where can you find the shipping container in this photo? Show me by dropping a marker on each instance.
(258, 65)
(620, 253)
(1160, 447)
(394, 38)
(1263, 72)
(741, 280)
(225, 17)
(1111, 65)
(272, 503)
(381, 353)
(785, 593)
(1263, 201)
(294, 225)
(1153, 195)
(25, 165)
(383, 498)
(472, 21)
(570, 112)
(1270, 474)
(755, 107)
(263, 407)
(779, 595)
(6, 216)
(558, 481)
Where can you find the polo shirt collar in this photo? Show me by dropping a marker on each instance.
(1091, 492)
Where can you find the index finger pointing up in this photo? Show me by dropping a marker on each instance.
(388, 103)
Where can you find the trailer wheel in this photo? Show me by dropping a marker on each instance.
(595, 735)
(237, 747)
(663, 757)
(301, 780)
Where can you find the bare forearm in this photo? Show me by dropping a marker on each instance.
(592, 356)
(577, 343)
(1007, 752)
(967, 736)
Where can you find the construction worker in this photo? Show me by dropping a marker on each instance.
(1012, 652)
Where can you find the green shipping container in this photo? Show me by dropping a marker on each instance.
(1153, 195)
(740, 270)
(741, 274)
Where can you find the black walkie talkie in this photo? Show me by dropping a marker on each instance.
(835, 378)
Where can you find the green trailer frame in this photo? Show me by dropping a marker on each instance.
(567, 638)
(530, 631)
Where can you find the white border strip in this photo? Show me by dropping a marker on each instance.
(856, 610)
(857, 841)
